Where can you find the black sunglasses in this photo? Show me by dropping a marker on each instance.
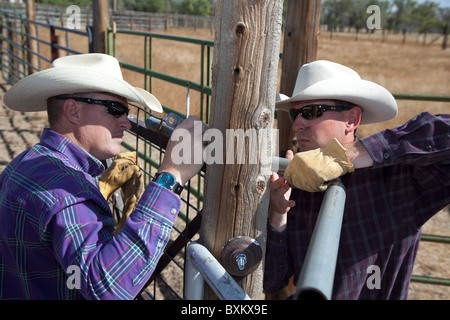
(114, 108)
(314, 111)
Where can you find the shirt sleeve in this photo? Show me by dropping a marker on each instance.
(416, 158)
(423, 140)
(277, 268)
(114, 266)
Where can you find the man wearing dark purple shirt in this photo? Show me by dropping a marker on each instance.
(395, 181)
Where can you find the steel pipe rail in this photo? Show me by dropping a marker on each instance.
(317, 274)
(202, 263)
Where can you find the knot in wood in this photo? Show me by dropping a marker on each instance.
(264, 118)
(240, 29)
(260, 185)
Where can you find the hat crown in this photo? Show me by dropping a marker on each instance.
(96, 62)
(314, 72)
(326, 80)
(90, 72)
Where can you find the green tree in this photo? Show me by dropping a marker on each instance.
(80, 3)
(141, 5)
(444, 15)
(195, 7)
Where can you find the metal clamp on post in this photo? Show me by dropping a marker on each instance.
(241, 256)
(171, 121)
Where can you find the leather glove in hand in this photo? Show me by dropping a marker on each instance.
(311, 170)
(132, 192)
(121, 170)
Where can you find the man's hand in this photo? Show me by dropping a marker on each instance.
(190, 127)
(312, 170)
(280, 191)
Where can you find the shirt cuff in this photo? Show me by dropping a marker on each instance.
(276, 238)
(379, 150)
(159, 203)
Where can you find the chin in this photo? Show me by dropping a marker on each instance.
(305, 146)
(107, 154)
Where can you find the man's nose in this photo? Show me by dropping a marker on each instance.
(299, 124)
(124, 122)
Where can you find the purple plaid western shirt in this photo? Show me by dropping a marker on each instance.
(385, 207)
(56, 231)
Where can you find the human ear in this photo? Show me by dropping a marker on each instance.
(353, 119)
(72, 111)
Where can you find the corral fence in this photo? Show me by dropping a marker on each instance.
(149, 134)
(124, 19)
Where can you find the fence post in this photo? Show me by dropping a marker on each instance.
(12, 52)
(1, 45)
(100, 21)
(244, 77)
(31, 33)
(54, 41)
(300, 46)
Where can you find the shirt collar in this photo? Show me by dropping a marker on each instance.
(79, 157)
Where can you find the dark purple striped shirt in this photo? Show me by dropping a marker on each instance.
(386, 205)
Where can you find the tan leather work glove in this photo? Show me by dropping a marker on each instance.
(121, 170)
(311, 170)
(132, 192)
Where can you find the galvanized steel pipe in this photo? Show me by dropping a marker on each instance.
(222, 283)
(317, 274)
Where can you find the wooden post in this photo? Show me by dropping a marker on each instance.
(13, 52)
(166, 22)
(54, 40)
(244, 77)
(100, 19)
(31, 33)
(300, 46)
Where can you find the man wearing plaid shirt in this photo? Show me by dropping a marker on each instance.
(402, 179)
(57, 236)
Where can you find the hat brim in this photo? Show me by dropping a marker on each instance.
(31, 93)
(377, 103)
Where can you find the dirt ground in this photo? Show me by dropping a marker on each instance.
(19, 131)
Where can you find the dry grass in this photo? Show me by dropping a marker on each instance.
(408, 68)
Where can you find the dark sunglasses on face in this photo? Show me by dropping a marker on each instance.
(314, 111)
(114, 108)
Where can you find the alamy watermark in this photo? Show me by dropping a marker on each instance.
(74, 20)
(374, 21)
(237, 146)
(74, 277)
(374, 280)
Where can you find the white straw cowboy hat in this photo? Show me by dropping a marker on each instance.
(320, 80)
(94, 72)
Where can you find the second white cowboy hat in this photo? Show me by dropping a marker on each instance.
(93, 72)
(320, 80)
